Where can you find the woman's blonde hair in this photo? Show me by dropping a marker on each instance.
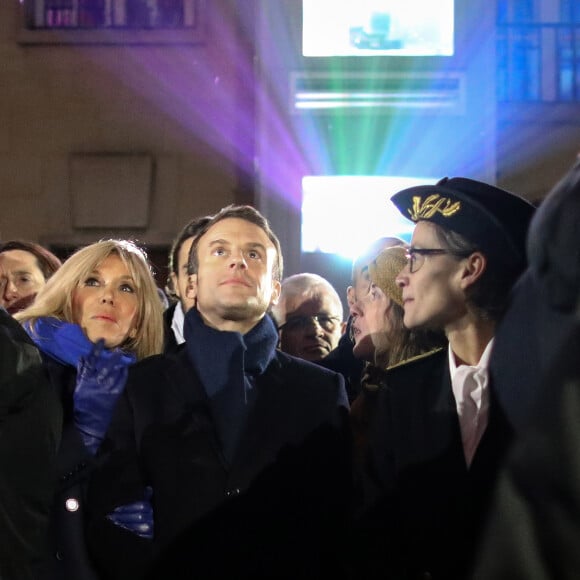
(55, 298)
(398, 343)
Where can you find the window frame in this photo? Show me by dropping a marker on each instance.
(195, 34)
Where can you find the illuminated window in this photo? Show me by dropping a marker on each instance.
(110, 13)
(535, 38)
(343, 214)
(377, 27)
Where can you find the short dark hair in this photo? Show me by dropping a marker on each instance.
(249, 214)
(190, 230)
(45, 259)
(490, 293)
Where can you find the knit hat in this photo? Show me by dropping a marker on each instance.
(385, 268)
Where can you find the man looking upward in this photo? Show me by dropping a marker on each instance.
(246, 448)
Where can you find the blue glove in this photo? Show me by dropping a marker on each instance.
(137, 517)
(101, 378)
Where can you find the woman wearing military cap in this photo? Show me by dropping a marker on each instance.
(437, 435)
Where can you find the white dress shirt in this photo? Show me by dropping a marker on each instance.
(470, 386)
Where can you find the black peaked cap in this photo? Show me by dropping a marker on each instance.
(493, 219)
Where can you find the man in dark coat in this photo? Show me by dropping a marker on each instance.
(174, 315)
(541, 314)
(246, 448)
(437, 436)
(30, 426)
(534, 528)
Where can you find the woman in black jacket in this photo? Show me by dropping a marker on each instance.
(96, 316)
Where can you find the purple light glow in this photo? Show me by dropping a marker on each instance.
(209, 94)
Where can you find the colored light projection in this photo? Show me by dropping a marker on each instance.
(232, 96)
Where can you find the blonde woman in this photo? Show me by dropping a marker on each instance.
(380, 338)
(98, 314)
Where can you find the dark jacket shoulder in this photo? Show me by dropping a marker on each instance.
(309, 368)
(307, 377)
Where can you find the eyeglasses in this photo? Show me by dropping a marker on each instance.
(416, 256)
(325, 321)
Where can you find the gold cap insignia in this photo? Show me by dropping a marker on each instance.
(431, 205)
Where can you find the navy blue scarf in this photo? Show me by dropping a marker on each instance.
(227, 364)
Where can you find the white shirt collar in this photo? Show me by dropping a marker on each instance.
(460, 378)
(483, 361)
(177, 323)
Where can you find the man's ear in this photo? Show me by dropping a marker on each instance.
(350, 296)
(191, 290)
(171, 285)
(474, 267)
(276, 289)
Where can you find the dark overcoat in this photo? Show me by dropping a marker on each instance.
(534, 527)
(67, 557)
(424, 508)
(169, 342)
(275, 510)
(30, 429)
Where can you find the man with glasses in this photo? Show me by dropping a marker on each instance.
(437, 435)
(308, 316)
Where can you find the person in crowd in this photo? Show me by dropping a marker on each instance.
(246, 448)
(97, 315)
(309, 316)
(176, 287)
(540, 317)
(437, 436)
(380, 337)
(24, 269)
(342, 359)
(360, 272)
(163, 299)
(30, 427)
(534, 526)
